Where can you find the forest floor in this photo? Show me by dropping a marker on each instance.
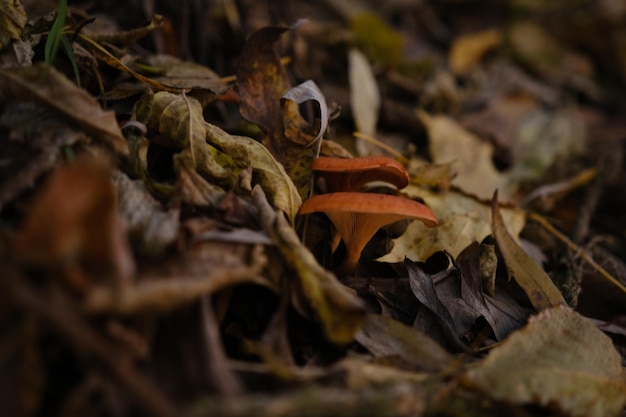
(236, 208)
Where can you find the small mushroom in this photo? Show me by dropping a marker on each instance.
(358, 216)
(352, 174)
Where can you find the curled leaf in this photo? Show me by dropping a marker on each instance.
(266, 172)
(537, 285)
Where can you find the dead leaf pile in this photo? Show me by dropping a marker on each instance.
(153, 168)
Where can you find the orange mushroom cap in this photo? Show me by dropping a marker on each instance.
(351, 174)
(358, 216)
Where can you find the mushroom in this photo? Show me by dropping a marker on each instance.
(352, 174)
(358, 216)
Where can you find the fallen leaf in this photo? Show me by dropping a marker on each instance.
(470, 156)
(266, 172)
(364, 98)
(561, 361)
(384, 336)
(180, 119)
(73, 228)
(59, 94)
(467, 51)
(12, 21)
(462, 220)
(535, 282)
(266, 98)
(151, 228)
(340, 311)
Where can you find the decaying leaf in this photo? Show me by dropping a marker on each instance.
(59, 94)
(537, 285)
(12, 21)
(462, 220)
(560, 360)
(151, 228)
(180, 119)
(339, 311)
(470, 156)
(73, 228)
(467, 51)
(266, 172)
(364, 98)
(384, 336)
(266, 99)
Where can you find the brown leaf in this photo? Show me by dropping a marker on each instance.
(383, 336)
(56, 92)
(73, 228)
(339, 311)
(560, 360)
(467, 51)
(537, 285)
(12, 21)
(266, 99)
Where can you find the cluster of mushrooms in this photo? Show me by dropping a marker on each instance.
(357, 215)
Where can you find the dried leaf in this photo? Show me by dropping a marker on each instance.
(61, 95)
(383, 336)
(462, 220)
(467, 51)
(364, 98)
(266, 99)
(73, 228)
(262, 79)
(180, 119)
(151, 228)
(471, 157)
(560, 360)
(12, 21)
(339, 311)
(266, 172)
(537, 285)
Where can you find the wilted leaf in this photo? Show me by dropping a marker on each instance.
(151, 228)
(364, 98)
(470, 156)
(12, 21)
(339, 310)
(467, 51)
(560, 360)
(262, 79)
(180, 119)
(266, 172)
(537, 285)
(266, 99)
(384, 336)
(381, 43)
(62, 96)
(73, 228)
(462, 220)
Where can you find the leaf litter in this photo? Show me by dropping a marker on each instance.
(150, 234)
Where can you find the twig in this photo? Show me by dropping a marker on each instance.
(578, 250)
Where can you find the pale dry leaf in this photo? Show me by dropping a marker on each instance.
(470, 156)
(467, 51)
(560, 360)
(364, 97)
(462, 220)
